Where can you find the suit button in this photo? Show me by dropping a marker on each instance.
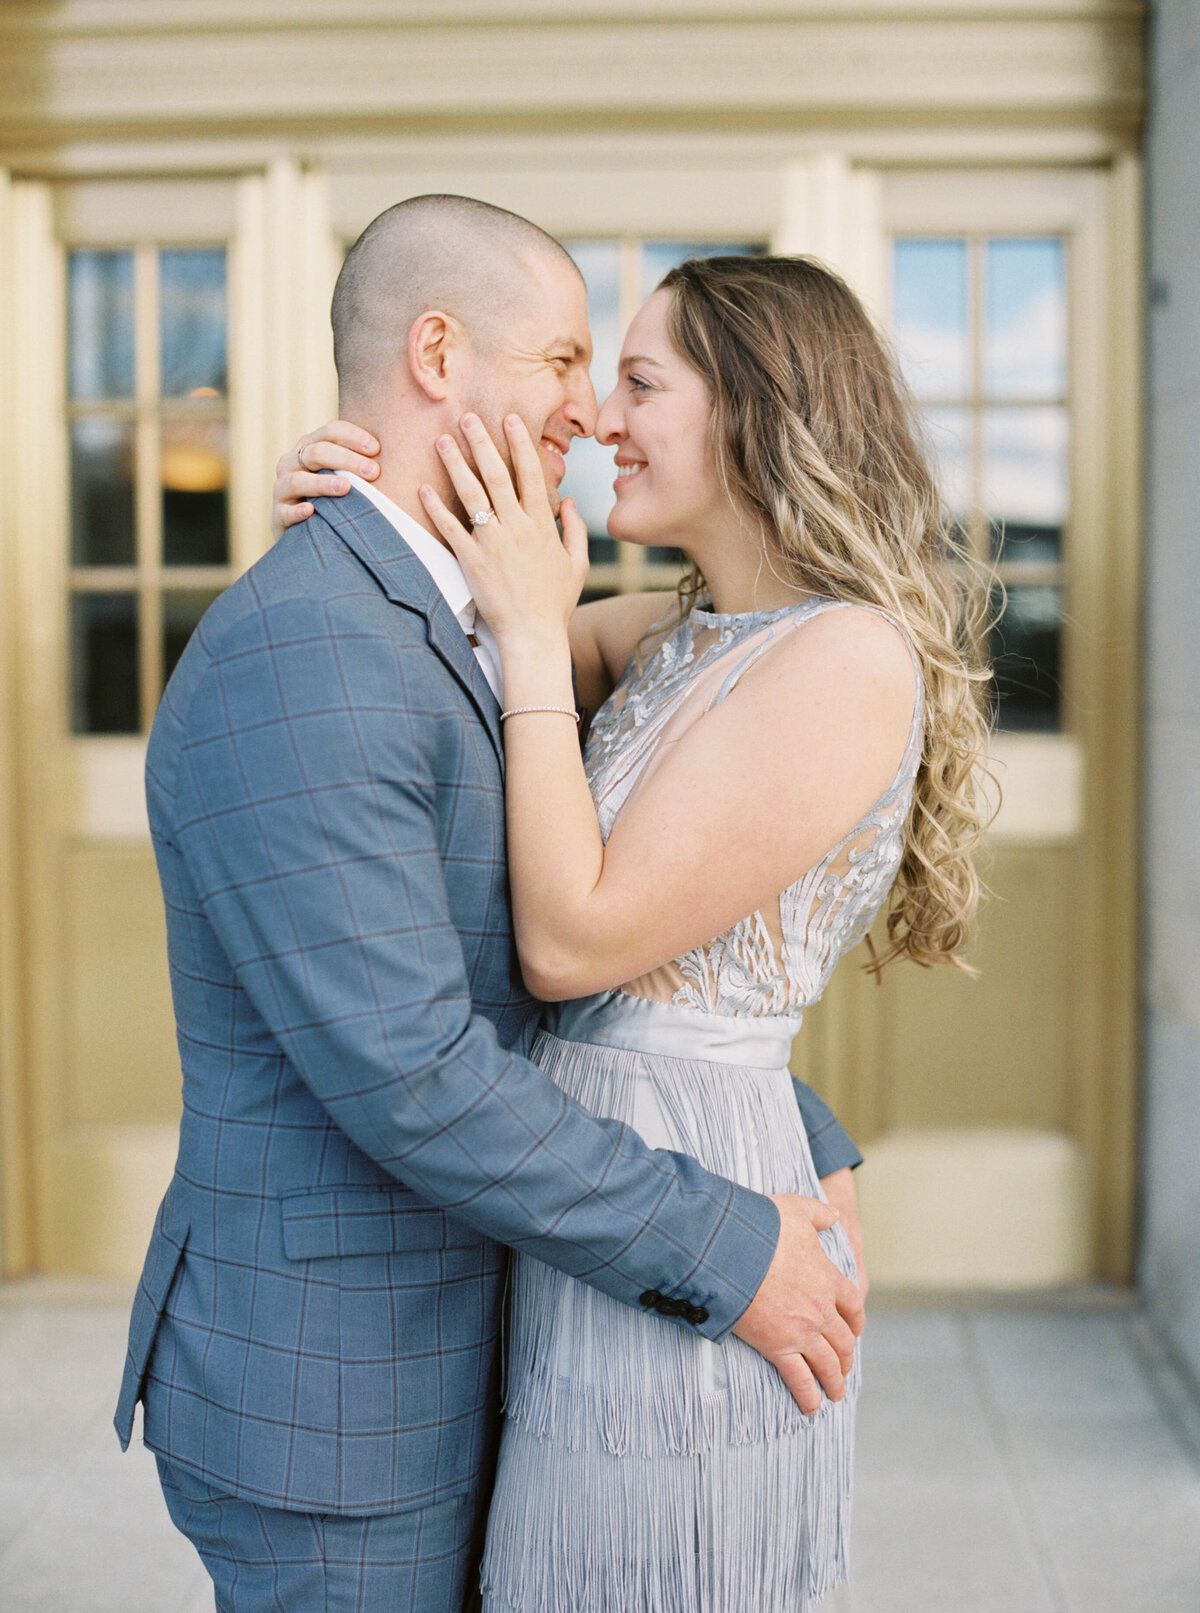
(671, 1307)
(697, 1314)
(650, 1298)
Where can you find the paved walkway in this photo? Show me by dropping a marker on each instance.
(1013, 1458)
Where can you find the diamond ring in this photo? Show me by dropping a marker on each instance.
(482, 518)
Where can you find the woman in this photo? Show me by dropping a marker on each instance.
(771, 751)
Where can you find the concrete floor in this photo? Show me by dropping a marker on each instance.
(1014, 1457)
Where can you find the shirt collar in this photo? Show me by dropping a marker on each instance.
(438, 561)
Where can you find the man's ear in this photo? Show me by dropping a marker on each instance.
(435, 348)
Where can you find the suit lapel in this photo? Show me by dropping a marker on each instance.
(376, 542)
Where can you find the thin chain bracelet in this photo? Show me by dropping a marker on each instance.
(522, 711)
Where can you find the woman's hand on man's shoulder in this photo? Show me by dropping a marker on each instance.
(337, 446)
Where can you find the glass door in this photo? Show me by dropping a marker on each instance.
(1012, 306)
(127, 299)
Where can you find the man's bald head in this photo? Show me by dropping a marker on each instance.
(453, 253)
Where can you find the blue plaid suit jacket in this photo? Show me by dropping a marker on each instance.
(317, 1320)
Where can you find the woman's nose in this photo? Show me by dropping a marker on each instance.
(610, 424)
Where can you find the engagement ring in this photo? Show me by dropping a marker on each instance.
(482, 518)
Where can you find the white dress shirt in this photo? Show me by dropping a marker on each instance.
(442, 565)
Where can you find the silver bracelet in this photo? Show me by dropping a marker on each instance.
(522, 711)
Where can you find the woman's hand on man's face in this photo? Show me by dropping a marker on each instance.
(336, 446)
(525, 577)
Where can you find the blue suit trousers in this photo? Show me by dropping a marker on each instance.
(264, 1560)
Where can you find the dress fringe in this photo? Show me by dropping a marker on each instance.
(761, 1528)
(644, 1469)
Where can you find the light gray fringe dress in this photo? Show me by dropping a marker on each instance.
(643, 1468)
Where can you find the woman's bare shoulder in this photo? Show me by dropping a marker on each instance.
(851, 661)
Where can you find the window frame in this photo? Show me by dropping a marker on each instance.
(149, 579)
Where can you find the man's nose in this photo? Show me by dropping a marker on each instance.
(581, 406)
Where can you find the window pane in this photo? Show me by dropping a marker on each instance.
(100, 325)
(192, 294)
(659, 256)
(929, 315)
(590, 470)
(182, 610)
(102, 532)
(195, 478)
(1025, 333)
(1025, 483)
(1026, 654)
(104, 664)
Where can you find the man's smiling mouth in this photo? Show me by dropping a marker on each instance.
(557, 453)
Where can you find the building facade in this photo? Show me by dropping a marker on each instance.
(1170, 1264)
(179, 183)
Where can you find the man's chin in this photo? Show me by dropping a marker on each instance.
(553, 481)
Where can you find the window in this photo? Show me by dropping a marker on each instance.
(147, 362)
(981, 326)
(620, 275)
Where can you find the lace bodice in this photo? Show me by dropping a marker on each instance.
(772, 962)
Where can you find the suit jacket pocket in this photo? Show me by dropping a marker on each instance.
(321, 1223)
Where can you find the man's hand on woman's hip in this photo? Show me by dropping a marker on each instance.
(806, 1316)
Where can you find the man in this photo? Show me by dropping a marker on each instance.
(314, 1337)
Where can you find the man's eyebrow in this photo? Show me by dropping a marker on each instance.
(628, 362)
(576, 349)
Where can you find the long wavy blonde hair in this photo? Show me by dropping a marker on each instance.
(815, 435)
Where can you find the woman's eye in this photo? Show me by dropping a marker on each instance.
(637, 384)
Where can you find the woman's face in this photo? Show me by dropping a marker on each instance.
(658, 421)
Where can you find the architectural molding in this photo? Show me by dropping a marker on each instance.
(66, 18)
(1082, 143)
(83, 71)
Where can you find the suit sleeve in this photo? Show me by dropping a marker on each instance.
(304, 811)
(832, 1146)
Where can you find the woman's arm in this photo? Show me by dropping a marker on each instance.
(603, 636)
(753, 795)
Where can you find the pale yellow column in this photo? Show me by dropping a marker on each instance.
(38, 786)
(831, 210)
(284, 261)
(14, 1138)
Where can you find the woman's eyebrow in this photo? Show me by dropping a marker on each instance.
(628, 362)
